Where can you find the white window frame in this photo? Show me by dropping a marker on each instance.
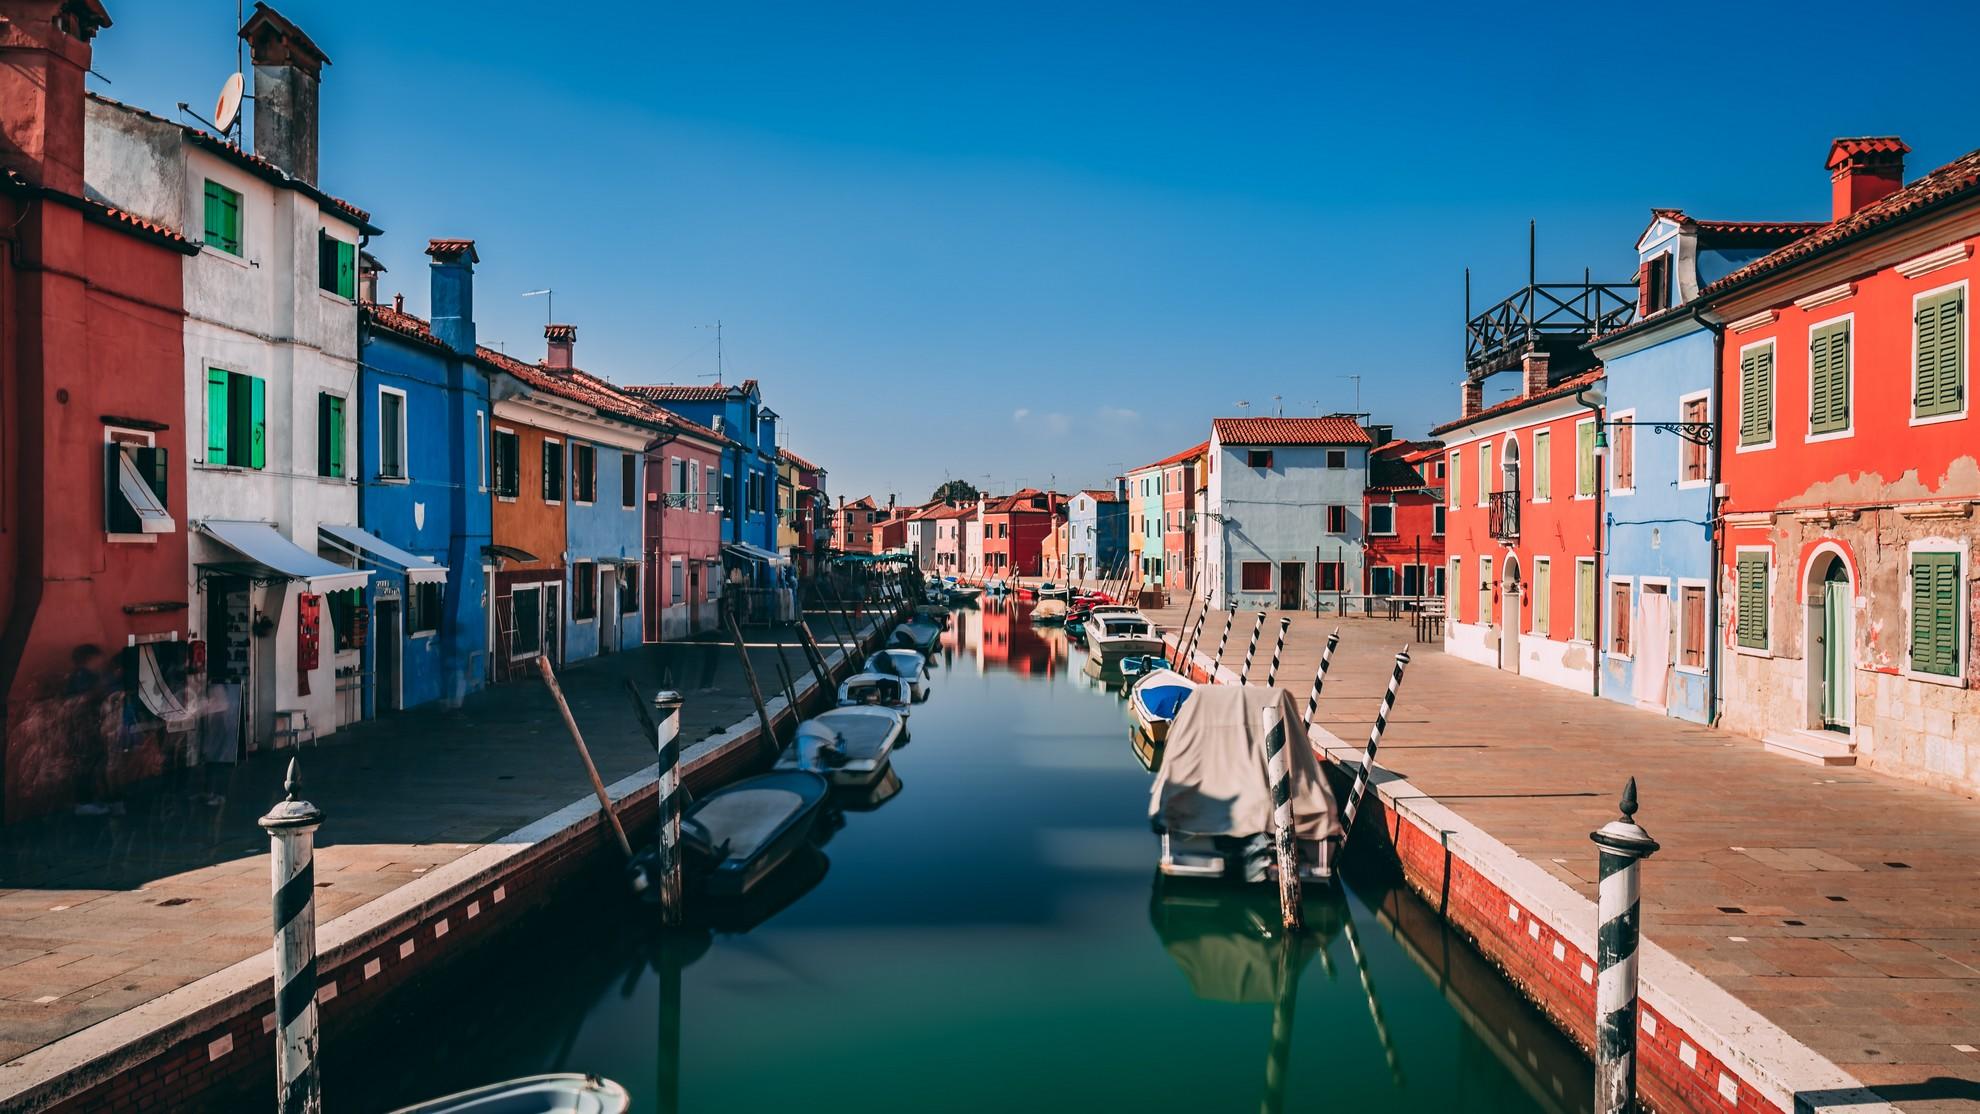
(1684, 399)
(500, 498)
(1911, 383)
(1677, 612)
(1452, 578)
(433, 631)
(1484, 586)
(1808, 434)
(1391, 531)
(1774, 416)
(1453, 488)
(1534, 565)
(1484, 473)
(1574, 632)
(1621, 416)
(130, 438)
(1939, 544)
(1394, 580)
(1596, 463)
(563, 468)
(404, 437)
(1438, 514)
(517, 590)
(1767, 651)
(481, 438)
(1347, 523)
(1608, 603)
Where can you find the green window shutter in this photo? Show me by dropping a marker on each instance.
(1763, 383)
(118, 518)
(1939, 383)
(215, 214)
(217, 420)
(330, 451)
(1935, 606)
(258, 418)
(1584, 597)
(1749, 364)
(1543, 452)
(1752, 583)
(1828, 379)
(346, 269)
(1584, 459)
(231, 224)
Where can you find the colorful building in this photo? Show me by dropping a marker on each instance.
(804, 525)
(747, 490)
(858, 529)
(1179, 503)
(1282, 511)
(683, 528)
(1404, 509)
(949, 539)
(1015, 529)
(1096, 534)
(1144, 523)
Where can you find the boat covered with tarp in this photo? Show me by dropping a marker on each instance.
(846, 746)
(1212, 804)
(916, 634)
(740, 833)
(562, 1093)
(909, 665)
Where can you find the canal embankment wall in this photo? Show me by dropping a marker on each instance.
(213, 1035)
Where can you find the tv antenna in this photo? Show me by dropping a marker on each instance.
(1279, 405)
(717, 326)
(1243, 404)
(1357, 390)
(549, 297)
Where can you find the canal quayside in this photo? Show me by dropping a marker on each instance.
(990, 934)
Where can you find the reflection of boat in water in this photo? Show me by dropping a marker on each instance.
(798, 876)
(866, 798)
(1147, 751)
(562, 1093)
(1228, 939)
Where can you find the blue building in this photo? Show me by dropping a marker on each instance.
(1096, 534)
(423, 506)
(749, 468)
(1660, 596)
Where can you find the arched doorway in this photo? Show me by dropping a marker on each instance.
(1831, 643)
(1510, 593)
(1509, 469)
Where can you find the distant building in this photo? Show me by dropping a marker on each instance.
(1179, 506)
(746, 490)
(1404, 550)
(683, 527)
(1015, 529)
(1096, 534)
(1282, 511)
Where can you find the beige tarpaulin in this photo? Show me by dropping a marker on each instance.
(1212, 779)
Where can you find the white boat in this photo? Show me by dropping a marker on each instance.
(564, 1093)
(1155, 699)
(916, 634)
(909, 665)
(1113, 635)
(876, 690)
(846, 746)
(1211, 803)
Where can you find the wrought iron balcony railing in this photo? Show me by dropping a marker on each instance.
(1542, 309)
(1505, 515)
(683, 500)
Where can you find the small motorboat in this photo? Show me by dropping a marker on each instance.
(996, 586)
(1051, 591)
(876, 690)
(1156, 695)
(1212, 805)
(960, 596)
(908, 665)
(848, 747)
(1048, 612)
(563, 1093)
(1115, 633)
(742, 832)
(915, 634)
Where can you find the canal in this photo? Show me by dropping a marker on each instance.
(993, 937)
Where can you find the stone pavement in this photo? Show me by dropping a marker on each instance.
(100, 914)
(1842, 905)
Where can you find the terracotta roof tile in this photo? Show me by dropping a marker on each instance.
(690, 392)
(1177, 458)
(1558, 390)
(1101, 495)
(1290, 431)
(455, 246)
(799, 461)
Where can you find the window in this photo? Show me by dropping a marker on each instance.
(1382, 518)
(1828, 379)
(1692, 456)
(1258, 458)
(1437, 523)
(1619, 609)
(526, 622)
(1751, 630)
(728, 491)
(1382, 580)
(508, 479)
(329, 435)
(1329, 576)
(1337, 522)
(629, 588)
(1756, 395)
(1257, 576)
(236, 424)
(1584, 600)
(1456, 578)
(1484, 590)
(1584, 460)
(348, 617)
(1543, 465)
(481, 444)
(1439, 589)
(135, 482)
(391, 434)
(1935, 607)
(677, 580)
(1938, 353)
(1337, 458)
(1457, 478)
(336, 265)
(584, 591)
(1484, 472)
(584, 472)
(1543, 597)
(223, 218)
(1412, 581)
(1622, 456)
(628, 480)
(1692, 631)
(423, 607)
(1657, 283)
(1440, 469)
(553, 471)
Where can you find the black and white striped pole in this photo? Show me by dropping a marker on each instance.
(1278, 774)
(1623, 844)
(1367, 770)
(1230, 616)
(1251, 651)
(1278, 649)
(1188, 653)
(1320, 678)
(291, 826)
(667, 707)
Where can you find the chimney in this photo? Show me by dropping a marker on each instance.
(287, 69)
(399, 302)
(1533, 368)
(452, 300)
(1474, 397)
(41, 89)
(1382, 434)
(1864, 170)
(369, 268)
(561, 338)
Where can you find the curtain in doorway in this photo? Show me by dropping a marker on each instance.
(1653, 648)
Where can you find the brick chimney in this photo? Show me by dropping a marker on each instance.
(452, 275)
(1474, 398)
(369, 268)
(561, 338)
(1533, 372)
(1863, 170)
(41, 88)
(288, 67)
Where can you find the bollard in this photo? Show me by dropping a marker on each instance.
(1367, 770)
(1251, 651)
(1320, 678)
(667, 705)
(1623, 845)
(291, 826)
(1230, 616)
(1188, 653)
(1278, 648)
(1278, 774)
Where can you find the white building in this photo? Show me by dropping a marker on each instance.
(973, 540)
(1282, 520)
(271, 381)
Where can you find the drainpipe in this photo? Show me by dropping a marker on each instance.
(1580, 396)
(1715, 530)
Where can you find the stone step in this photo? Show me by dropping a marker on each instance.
(1817, 748)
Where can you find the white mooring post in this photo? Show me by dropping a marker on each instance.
(1320, 678)
(1230, 616)
(1251, 651)
(291, 826)
(1278, 774)
(667, 707)
(1623, 844)
(1186, 653)
(1278, 649)
(1367, 771)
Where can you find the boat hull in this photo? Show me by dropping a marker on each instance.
(1241, 858)
(731, 875)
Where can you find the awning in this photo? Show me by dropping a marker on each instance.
(273, 557)
(364, 544)
(750, 552)
(156, 694)
(144, 502)
(508, 553)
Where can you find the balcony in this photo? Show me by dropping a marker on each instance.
(1572, 311)
(1505, 515)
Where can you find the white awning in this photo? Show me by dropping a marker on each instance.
(142, 499)
(753, 553)
(156, 694)
(366, 545)
(276, 557)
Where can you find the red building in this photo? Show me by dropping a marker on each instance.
(1405, 510)
(858, 528)
(683, 527)
(92, 438)
(1179, 500)
(1016, 529)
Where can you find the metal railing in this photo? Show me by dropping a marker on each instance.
(1546, 308)
(1504, 507)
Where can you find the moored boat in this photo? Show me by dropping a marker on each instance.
(740, 833)
(909, 665)
(1114, 633)
(916, 634)
(1155, 698)
(846, 746)
(561, 1093)
(1048, 612)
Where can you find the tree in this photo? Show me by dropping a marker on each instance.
(954, 491)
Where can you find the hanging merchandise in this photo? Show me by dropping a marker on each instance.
(309, 625)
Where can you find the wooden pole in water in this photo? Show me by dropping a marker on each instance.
(1278, 648)
(666, 736)
(1182, 628)
(1251, 651)
(1320, 678)
(1278, 774)
(749, 674)
(584, 752)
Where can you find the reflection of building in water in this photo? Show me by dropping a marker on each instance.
(1011, 641)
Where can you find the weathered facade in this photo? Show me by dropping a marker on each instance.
(1282, 513)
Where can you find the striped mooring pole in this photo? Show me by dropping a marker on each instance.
(1320, 677)
(291, 826)
(1251, 651)
(667, 706)
(1230, 616)
(1278, 649)
(1623, 844)
(1367, 770)
(1278, 774)
(1188, 653)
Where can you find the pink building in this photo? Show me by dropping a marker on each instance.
(683, 528)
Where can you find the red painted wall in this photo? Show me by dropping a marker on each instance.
(692, 532)
(1416, 540)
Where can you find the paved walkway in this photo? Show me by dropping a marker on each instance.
(1842, 905)
(100, 914)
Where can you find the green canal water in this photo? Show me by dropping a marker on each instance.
(994, 937)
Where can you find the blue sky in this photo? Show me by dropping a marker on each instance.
(1044, 242)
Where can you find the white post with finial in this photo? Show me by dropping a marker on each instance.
(1320, 678)
(1278, 649)
(1623, 845)
(1366, 775)
(1230, 616)
(1251, 651)
(291, 827)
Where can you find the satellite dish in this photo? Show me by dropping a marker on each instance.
(228, 108)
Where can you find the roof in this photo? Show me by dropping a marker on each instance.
(1102, 496)
(1289, 431)
(100, 213)
(1956, 181)
(690, 392)
(798, 460)
(1738, 229)
(1393, 473)
(1559, 390)
(1177, 458)
(1021, 502)
(1848, 147)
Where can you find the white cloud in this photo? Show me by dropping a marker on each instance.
(1020, 414)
